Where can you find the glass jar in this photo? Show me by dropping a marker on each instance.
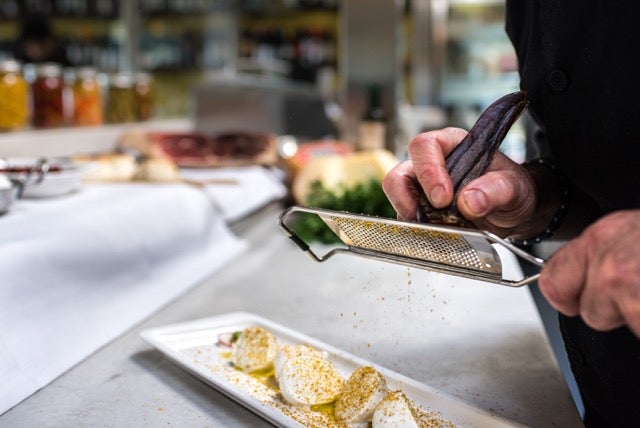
(87, 98)
(48, 97)
(14, 96)
(145, 96)
(121, 103)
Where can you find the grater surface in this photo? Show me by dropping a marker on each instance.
(414, 241)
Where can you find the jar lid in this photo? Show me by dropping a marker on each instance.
(49, 69)
(10, 66)
(143, 78)
(122, 80)
(86, 72)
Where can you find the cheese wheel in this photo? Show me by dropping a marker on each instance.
(338, 171)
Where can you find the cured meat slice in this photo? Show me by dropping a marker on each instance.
(188, 149)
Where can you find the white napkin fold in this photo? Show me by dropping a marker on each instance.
(77, 271)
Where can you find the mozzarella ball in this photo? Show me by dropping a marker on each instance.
(308, 380)
(254, 350)
(362, 392)
(394, 411)
(287, 352)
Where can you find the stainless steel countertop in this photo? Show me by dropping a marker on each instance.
(481, 343)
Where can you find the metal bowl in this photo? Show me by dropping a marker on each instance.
(43, 177)
(7, 196)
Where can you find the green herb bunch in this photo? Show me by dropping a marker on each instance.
(362, 198)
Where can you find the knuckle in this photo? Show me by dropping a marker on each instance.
(593, 320)
(617, 285)
(424, 149)
(601, 232)
(428, 174)
(610, 277)
(597, 234)
(601, 316)
(422, 140)
(617, 269)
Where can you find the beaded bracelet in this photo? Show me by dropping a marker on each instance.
(560, 213)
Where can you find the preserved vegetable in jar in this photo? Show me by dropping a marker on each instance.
(48, 97)
(121, 103)
(87, 98)
(14, 96)
(145, 96)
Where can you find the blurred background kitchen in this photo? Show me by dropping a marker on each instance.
(425, 62)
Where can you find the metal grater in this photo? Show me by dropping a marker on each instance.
(463, 252)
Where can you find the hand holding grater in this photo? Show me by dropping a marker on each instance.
(438, 242)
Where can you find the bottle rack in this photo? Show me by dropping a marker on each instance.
(182, 7)
(95, 9)
(84, 27)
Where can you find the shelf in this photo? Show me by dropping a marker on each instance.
(186, 8)
(98, 9)
(266, 8)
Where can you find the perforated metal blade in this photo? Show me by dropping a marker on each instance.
(457, 251)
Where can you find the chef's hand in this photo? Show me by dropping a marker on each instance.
(597, 275)
(501, 201)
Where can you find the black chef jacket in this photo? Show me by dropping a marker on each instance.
(579, 61)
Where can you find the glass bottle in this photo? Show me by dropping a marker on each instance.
(121, 102)
(145, 96)
(87, 98)
(14, 96)
(48, 96)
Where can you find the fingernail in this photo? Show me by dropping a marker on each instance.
(476, 201)
(437, 196)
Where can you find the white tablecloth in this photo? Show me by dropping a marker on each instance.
(79, 270)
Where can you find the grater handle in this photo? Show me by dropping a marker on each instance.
(299, 241)
(524, 281)
(508, 244)
(537, 261)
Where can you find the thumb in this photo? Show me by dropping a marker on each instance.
(474, 203)
(500, 196)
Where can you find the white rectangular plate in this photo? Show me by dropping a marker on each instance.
(192, 345)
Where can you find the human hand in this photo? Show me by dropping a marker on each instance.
(502, 200)
(597, 275)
